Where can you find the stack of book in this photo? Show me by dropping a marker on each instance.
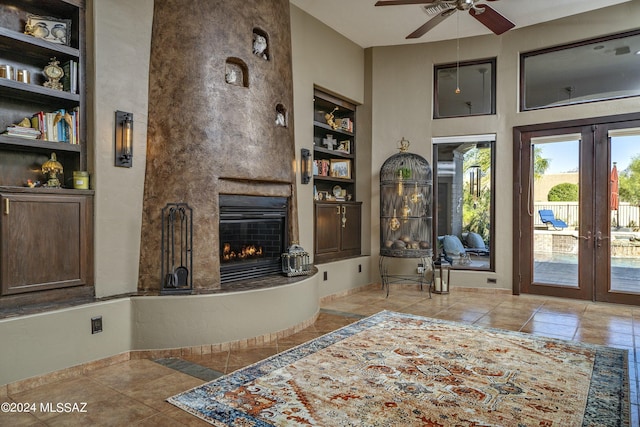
(58, 126)
(22, 132)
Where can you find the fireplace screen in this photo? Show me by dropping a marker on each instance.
(253, 235)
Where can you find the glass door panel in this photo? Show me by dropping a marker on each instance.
(624, 205)
(556, 205)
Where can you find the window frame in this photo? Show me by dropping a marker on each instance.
(489, 62)
(558, 48)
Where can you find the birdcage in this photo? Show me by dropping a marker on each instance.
(406, 205)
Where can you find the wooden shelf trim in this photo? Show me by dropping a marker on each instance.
(33, 44)
(20, 143)
(333, 153)
(329, 128)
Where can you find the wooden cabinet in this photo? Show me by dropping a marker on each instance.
(45, 233)
(45, 240)
(337, 230)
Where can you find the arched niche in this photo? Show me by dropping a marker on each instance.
(260, 46)
(236, 72)
(282, 116)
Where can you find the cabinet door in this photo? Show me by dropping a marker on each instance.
(327, 228)
(43, 242)
(351, 230)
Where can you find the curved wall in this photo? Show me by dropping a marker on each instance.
(43, 343)
(214, 120)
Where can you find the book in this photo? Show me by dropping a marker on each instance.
(70, 78)
(57, 126)
(22, 132)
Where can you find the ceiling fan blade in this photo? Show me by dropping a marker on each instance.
(492, 19)
(430, 24)
(402, 2)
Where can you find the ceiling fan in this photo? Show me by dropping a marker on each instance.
(442, 9)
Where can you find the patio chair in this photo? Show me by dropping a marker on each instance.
(548, 218)
(455, 252)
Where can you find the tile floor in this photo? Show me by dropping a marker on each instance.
(133, 392)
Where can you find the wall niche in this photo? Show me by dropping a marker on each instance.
(281, 116)
(261, 44)
(236, 72)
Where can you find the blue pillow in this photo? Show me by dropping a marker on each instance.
(453, 245)
(475, 241)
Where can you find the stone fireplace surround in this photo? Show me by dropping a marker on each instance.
(207, 137)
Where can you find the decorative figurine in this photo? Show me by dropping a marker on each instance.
(52, 168)
(53, 72)
(329, 118)
(231, 77)
(260, 46)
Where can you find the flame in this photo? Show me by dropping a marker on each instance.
(246, 252)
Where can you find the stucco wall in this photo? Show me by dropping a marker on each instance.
(327, 59)
(117, 79)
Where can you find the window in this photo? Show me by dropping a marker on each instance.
(467, 89)
(587, 71)
(464, 198)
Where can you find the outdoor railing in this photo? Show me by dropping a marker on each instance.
(626, 215)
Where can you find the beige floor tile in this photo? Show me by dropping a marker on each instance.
(183, 418)
(549, 329)
(125, 375)
(244, 357)
(18, 419)
(77, 390)
(116, 409)
(154, 393)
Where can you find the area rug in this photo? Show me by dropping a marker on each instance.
(394, 369)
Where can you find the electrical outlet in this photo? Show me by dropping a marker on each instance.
(96, 324)
(420, 269)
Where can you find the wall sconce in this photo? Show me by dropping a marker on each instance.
(124, 139)
(305, 166)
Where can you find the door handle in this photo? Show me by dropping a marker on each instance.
(344, 217)
(587, 237)
(600, 238)
(6, 206)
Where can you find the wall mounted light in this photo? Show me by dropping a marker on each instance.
(305, 166)
(124, 139)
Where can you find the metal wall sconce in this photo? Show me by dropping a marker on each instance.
(124, 139)
(305, 166)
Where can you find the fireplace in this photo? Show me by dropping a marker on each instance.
(253, 236)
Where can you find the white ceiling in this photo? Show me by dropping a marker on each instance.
(367, 25)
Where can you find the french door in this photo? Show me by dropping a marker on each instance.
(574, 236)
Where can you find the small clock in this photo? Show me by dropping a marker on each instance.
(53, 72)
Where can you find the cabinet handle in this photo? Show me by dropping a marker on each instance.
(338, 210)
(6, 206)
(344, 217)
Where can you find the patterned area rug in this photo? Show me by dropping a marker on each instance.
(393, 369)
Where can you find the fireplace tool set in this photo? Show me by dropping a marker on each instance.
(177, 254)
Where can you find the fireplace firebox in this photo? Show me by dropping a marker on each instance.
(253, 236)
